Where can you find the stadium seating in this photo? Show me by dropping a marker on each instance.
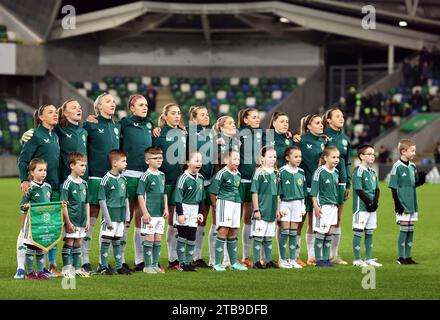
(3, 33)
(381, 111)
(13, 123)
(221, 95)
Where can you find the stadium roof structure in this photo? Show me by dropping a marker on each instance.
(304, 20)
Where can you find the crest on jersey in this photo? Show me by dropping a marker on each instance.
(287, 142)
(322, 147)
(84, 138)
(345, 142)
(48, 194)
(116, 131)
(258, 135)
(149, 126)
(183, 139)
(300, 182)
(123, 186)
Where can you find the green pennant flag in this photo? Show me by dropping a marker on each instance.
(46, 224)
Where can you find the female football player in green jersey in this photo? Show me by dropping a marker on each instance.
(172, 142)
(312, 145)
(333, 121)
(282, 137)
(252, 138)
(44, 144)
(136, 136)
(103, 136)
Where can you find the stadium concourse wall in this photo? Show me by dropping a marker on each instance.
(87, 59)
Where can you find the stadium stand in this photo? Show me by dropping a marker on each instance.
(13, 123)
(418, 92)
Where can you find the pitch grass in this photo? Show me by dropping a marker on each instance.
(342, 282)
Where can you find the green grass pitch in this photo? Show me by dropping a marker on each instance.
(342, 282)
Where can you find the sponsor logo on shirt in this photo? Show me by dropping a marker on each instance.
(309, 146)
(69, 136)
(101, 130)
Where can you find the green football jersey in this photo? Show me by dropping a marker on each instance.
(311, 148)
(113, 190)
(364, 179)
(202, 140)
(44, 144)
(189, 189)
(152, 187)
(403, 179)
(252, 140)
(341, 141)
(72, 138)
(292, 184)
(76, 194)
(37, 193)
(265, 185)
(135, 138)
(226, 185)
(281, 143)
(325, 186)
(172, 141)
(103, 137)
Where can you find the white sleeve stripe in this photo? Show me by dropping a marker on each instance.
(220, 173)
(317, 174)
(181, 181)
(66, 184)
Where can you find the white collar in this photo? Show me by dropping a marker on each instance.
(291, 169)
(327, 169)
(155, 173)
(71, 179)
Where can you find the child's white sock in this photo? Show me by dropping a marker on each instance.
(335, 242)
(172, 243)
(21, 250)
(310, 237)
(200, 235)
(86, 242)
(138, 248)
(298, 246)
(212, 237)
(246, 240)
(124, 240)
